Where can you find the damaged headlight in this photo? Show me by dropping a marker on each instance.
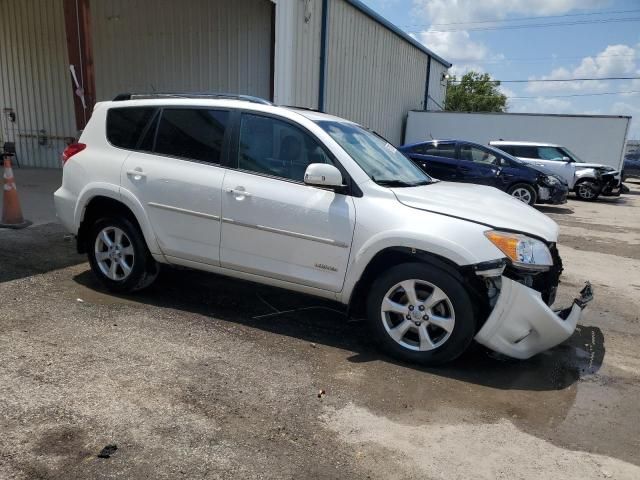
(524, 252)
(550, 181)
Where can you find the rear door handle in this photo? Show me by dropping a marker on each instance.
(539, 164)
(137, 174)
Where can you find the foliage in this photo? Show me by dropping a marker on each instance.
(475, 92)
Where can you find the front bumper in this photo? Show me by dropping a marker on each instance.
(610, 185)
(555, 195)
(522, 325)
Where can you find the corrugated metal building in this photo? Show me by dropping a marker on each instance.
(333, 55)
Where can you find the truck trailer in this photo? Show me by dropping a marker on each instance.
(597, 139)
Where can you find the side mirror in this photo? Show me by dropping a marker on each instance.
(566, 159)
(323, 175)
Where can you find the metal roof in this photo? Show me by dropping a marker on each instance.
(398, 31)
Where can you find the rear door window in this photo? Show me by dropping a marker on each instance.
(447, 150)
(192, 133)
(125, 125)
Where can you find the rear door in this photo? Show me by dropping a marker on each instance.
(175, 173)
(438, 159)
(478, 165)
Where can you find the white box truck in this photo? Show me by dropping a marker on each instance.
(597, 139)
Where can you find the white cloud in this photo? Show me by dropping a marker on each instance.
(454, 46)
(457, 46)
(542, 105)
(615, 60)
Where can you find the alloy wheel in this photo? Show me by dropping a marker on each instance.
(418, 315)
(114, 253)
(586, 191)
(522, 194)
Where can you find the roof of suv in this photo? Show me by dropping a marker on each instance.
(523, 144)
(222, 101)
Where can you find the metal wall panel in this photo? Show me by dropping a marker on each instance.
(35, 81)
(189, 45)
(306, 52)
(374, 77)
(437, 87)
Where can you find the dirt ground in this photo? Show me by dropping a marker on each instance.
(201, 377)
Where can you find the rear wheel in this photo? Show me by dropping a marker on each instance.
(421, 314)
(587, 190)
(523, 192)
(119, 256)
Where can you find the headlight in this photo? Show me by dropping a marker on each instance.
(524, 252)
(550, 181)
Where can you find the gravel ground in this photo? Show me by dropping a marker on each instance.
(198, 378)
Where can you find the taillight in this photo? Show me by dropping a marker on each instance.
(71, 150)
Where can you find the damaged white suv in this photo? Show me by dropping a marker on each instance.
(316, 204)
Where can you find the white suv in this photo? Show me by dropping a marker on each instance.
(587, 180)
(316, 204)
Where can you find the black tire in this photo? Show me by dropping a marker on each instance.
(518, 187)
(464, 328)
(587, 190)
(144, 269)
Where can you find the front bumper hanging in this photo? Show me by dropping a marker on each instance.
(522, 325)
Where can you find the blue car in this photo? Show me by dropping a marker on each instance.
(461, 161)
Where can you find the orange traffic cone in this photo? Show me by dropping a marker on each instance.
(11, 212)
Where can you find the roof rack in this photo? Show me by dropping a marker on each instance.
(228, 96)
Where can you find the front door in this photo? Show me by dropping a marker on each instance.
(273, 224)
(178, 179)
(478, 165)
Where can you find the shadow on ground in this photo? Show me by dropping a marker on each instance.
(554, 209)
(322, 322)
(34, 250)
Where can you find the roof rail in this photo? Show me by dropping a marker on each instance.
(228, 96)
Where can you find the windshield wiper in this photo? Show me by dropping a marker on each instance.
(400, 183)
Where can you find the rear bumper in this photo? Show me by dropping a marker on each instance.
(522, 325)
(65, 203)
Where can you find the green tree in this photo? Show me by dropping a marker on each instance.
(475, 92)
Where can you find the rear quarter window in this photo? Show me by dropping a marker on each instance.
(126, 125)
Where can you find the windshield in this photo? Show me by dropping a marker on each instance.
(378, 158)
(572, 155)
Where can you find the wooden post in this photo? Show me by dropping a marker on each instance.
(77, 21)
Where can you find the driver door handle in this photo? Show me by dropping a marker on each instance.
(239, 193)
(137, 174)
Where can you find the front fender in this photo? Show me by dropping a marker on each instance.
(464, 249)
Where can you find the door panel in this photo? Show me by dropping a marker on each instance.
(179, 181)
(275, 225)
(183, 201)
(286, 230)
(478, 165)
(438, 167)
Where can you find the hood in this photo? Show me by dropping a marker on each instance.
(593, 165)
(480, 204)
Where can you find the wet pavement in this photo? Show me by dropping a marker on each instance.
(202, 376)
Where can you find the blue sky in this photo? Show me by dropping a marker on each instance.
(608, 48)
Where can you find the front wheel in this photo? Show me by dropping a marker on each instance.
(422, 314)
(524, 192)
(119, 256)
(587, 190)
